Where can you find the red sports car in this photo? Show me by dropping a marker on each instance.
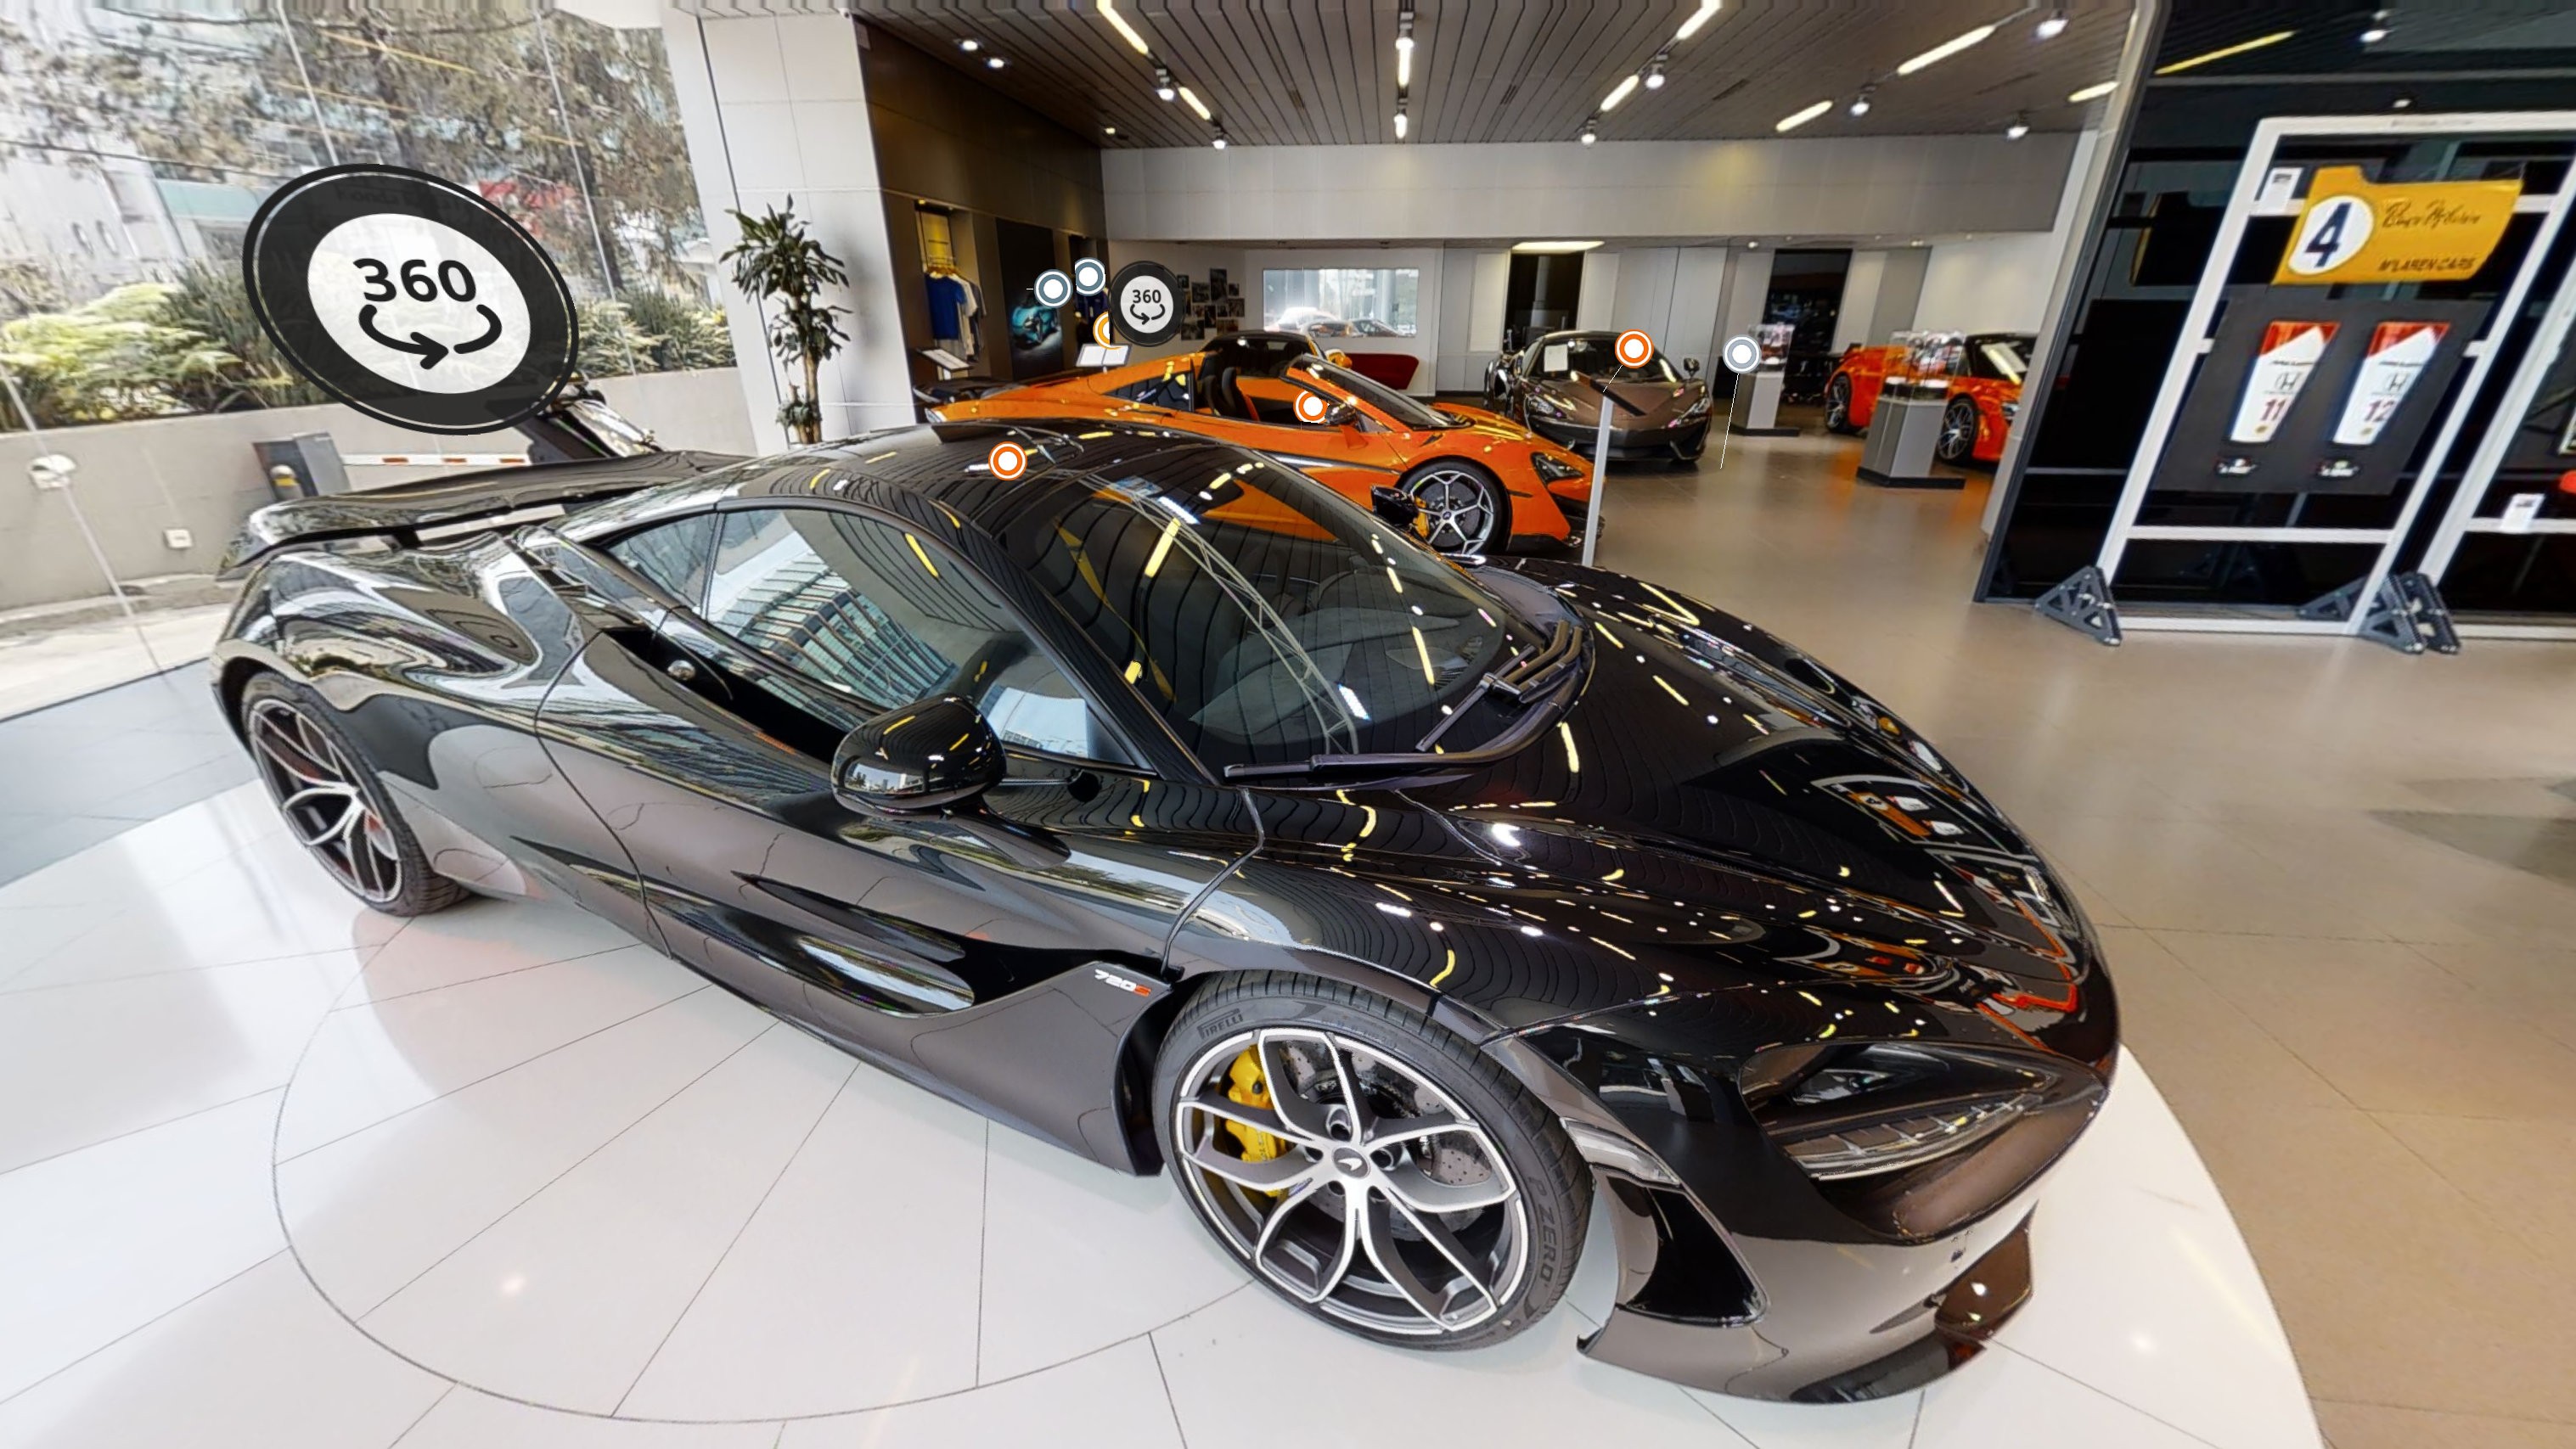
(1983, 400)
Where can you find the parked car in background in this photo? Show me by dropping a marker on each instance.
(1484, 484)
(1558, 385)
(1981, 403)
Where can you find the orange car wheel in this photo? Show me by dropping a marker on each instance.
(1958, 431)
(1838, 400)
(1464, 505)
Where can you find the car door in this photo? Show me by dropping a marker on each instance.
(999, 950)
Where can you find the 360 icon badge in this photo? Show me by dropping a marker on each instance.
(1146, 301)
(410, 298)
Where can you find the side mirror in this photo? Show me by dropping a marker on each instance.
(1338, 358)
(929, 753)
(1691, 366)
(1395, 506)
(1343, 415)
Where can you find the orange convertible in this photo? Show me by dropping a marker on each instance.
(1484, 484)
(1982, 401)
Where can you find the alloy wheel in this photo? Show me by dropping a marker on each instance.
(1958, 431)
(1345, 1178)
(1459, 508)
(1838, 405)
(318, 793)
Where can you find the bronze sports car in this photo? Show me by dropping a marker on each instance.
(1558, 384)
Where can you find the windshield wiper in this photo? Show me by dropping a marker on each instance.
(1522, 678)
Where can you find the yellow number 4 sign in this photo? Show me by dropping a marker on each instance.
(2411, 231)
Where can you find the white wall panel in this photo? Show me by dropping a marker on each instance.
(1699, 289)
(1895, 185)
(1597, 304)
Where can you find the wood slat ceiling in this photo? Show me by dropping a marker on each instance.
(1322, 72)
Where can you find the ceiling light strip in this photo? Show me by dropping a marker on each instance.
(1618, 93)
(1794, 121)
(1191, 99)
(1706, 12)
(1118, 22)
(2257, 43)
(2092, 92)
(1945, 50)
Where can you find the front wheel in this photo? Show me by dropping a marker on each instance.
(1838, 405)
(1958, 440)
(336, 807)
(1368, 1166)
(1462, 506)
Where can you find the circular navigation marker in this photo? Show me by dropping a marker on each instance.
(1146, 301)
(1101, 332)
(1090, 276)
(1007, 460)
(1634, 348)
(1311, 408)
(1054, 288)
(1740, 354)
(410, 298)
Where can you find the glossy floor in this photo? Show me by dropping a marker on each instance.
(277, 1171)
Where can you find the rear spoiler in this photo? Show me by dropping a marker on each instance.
(442, 510)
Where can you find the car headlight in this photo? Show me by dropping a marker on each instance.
(1697, 410)
(2011, 410)
(1860, 1109)
(1553, 470)
(1546, 406)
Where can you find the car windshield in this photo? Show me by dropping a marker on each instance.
(1266, 619)
(1408, 413)
(2005, 357)
(1596, 355)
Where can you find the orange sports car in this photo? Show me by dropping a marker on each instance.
(1983, 399)
(1484, 484)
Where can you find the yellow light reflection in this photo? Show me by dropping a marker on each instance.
(919, 554)
(1573, 761)
(1162, 546)
(1422, 647)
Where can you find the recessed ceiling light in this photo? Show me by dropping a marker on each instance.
(1945, 50)
(2093, 92)
(2374, 35)
(1800, 118)
(995, 62)
(1109, 130)
(2054, 26)
(2223, 52)
(1706, 12)
(1163, 90)
(1591, 133)
(2018, 128)
(1861, 103)
(1655, 69)
(1118, 22)
(1218, 141)
(970, 45)
(1554, 248)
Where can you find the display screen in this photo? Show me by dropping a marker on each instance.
(1342, 301)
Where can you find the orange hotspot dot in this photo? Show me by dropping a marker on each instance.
(1100, 331)
(1310, 408)
(1008, 460)
(1635, 347)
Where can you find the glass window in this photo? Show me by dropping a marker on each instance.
(672, 556)
(1343, 301)
(864, 607)
(2003, 358)
(1406, 412)
(1265, 618)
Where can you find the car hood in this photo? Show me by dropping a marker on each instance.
(1655, 403)
(1709, 783)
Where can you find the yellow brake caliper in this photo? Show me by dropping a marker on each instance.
(1248, 1089)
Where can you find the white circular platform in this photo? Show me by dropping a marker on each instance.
(565, 1192)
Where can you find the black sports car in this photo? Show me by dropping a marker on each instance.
(1163, 804)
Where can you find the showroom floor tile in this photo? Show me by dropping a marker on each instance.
(2336, 885)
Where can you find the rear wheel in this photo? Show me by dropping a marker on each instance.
(1958, 440)
(1838, 398)
(1462, 506)
(333, 802)
(1368, 1166)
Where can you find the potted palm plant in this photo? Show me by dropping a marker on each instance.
(777, 260)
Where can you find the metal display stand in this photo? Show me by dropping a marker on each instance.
(1899, 449)
(2402, 610)
(2464, 517)
(1760, 415)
